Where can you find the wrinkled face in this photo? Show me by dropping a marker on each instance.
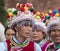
(55, 34)
(24, 31)
(25, 28)
(37, 35)
(9, 33)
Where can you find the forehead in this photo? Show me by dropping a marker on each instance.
(56, 27)
(21, 22)
(22, 27)
(25, 22)
(37, 27)
(10, 31)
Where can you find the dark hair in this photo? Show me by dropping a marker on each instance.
(7, 29)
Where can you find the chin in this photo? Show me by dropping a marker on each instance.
(35, 40)
(27, 36)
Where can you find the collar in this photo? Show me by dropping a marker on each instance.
(57, 46)
(42, 42)
(23, 44)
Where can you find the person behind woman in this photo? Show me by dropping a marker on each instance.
(39, 34)
(9, 33)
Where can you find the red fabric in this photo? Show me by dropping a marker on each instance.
(8, 44)
(44, 46)
(50, 48)
(30, 47)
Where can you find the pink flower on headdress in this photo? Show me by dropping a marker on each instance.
(19, 12)
(26, 12)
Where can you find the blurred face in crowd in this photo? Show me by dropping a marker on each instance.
(55, 34)
(24, 30)
(37, 35)
(9, 33)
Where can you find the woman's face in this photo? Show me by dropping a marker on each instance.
(37, 35)
(25, 31)
(55, 34)
(9, 33)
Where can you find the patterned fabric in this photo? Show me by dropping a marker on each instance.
(44, 46)
(44, 43)
(53, 47)
(30, 47)
(15, 42)
(14, 45)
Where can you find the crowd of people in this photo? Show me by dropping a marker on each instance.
(30, 30)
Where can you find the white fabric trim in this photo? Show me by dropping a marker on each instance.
(3, 46)
(52, 22)
(2, 36)
(42, 26)
(37, 47)
(49, 45)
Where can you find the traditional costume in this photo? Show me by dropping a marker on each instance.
(43, 43)
(53, 46)
(25, 18)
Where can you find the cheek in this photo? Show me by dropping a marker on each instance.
(7, 37)
(40, 35)
(52, 34)
(20, 31)
(23, 30)
(31, 32)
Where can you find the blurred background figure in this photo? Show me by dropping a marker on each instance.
(9, 33)
(2, 36)
(3, 45)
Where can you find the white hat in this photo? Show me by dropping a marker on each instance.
(26, 15)
(53, 22)
(42, 26)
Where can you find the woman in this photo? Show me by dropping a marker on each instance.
(54, 34)
(39, 34)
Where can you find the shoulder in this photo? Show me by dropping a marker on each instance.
(50, 45)
(3, 46)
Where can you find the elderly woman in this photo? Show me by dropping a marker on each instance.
(23, 26)
(54, 34)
